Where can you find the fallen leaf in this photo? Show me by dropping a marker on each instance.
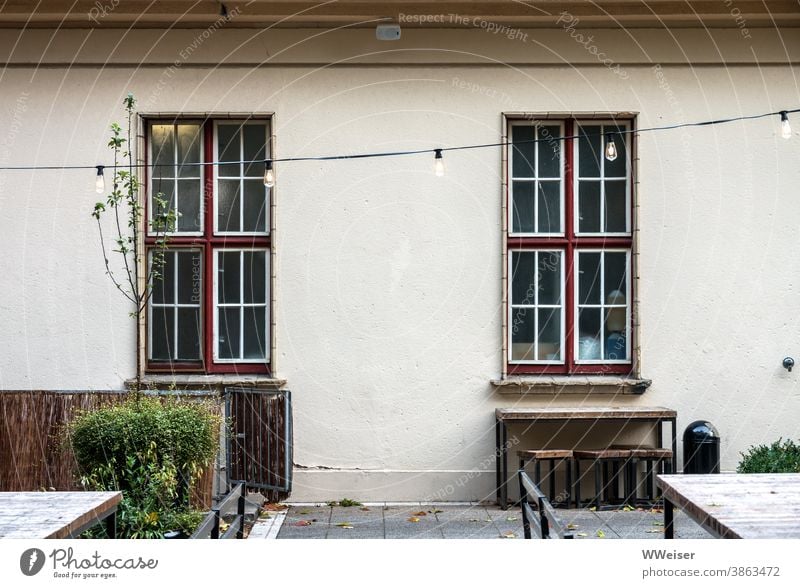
(656, 523)
(223, 526)
(582, 535)
(264, 515)
(345, 525)
(364, 508)
(275, 506)
(714, 504)
(305, 512)
(488, 521)
(600, 533)
(593, 508)
(302, 524)
(509, 519)
(413, 520)
(655, 530)
(627, 508)
(421, 513)
(435, 511)
(474, 520)
(572, 526)
(508, 535)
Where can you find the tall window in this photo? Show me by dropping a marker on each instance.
(210, 308)
(569, 247)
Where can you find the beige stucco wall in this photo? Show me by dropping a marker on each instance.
(388, 287)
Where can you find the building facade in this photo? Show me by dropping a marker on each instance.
(400, 307)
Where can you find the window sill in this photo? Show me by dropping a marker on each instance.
(579, 384)
(199, 381)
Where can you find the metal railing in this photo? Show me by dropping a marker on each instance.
(211, 526)
(538, 515)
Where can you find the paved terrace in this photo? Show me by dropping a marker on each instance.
(457, 521)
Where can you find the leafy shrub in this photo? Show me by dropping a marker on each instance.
(151, 451)
(780, 457)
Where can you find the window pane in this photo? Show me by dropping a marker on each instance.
(616, 270)
(228, 335)
(589, 278)
(255, 277)
(616, 218)
(163, 150)
(589, 346)
(523, 163)
(255, 341)
(523, 334)
(189, 197)
(523, 202)
(615, 347)
(523, 277)
(618, 167)
(549, 152)
(255, 206)
(228, 206)
(166, 189)
(228, 277)
(188, 333)
(549, 207)
(549, 334)
(164, 285)
(588, 207)
(163, 332)
(190, 277)
(228, 149)
(189, 150)
(589, 150)
(549, 277)
(255, 138)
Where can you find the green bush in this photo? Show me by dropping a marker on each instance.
(151, 450)
(779, 458)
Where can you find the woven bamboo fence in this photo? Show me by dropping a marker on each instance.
(32, 456)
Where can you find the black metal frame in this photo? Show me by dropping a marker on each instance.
(547, 525)
(553, 463)
(501, 445)
(210, 527)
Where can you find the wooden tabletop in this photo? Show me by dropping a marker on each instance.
(738, 506)
(52, 515)
(584, 412)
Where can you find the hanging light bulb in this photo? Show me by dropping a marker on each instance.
(100, 181)
(269, 174)
(611, 147)
(786, 128)
(438, 163)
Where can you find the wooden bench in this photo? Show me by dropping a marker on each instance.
(553, 457)
(618, 459)
(538, 515)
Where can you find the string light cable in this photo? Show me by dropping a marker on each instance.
(610, 150)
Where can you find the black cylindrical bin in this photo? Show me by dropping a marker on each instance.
(700, 449)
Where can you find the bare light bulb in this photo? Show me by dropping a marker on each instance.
(611, 148)
(438, 163)
(786, 128)
(269, 174)
(100, 181)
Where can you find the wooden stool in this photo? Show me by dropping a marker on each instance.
(617, 458)
(554, 457)
(656, 461)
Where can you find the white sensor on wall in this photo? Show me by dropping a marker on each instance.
(387, 32)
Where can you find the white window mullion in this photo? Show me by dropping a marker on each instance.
(241, 303)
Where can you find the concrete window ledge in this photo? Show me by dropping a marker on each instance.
(552, 385)
(204, 382)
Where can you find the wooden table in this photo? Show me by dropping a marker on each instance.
(735, 506)
(55, 515)
(639, 414)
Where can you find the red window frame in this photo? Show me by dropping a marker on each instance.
(569, 244)
(208, 243)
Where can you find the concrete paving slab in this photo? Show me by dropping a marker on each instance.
(366, 524)
(319, 517)
(398, 525)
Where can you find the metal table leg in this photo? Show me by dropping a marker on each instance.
(669, 521)
(504, 462)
